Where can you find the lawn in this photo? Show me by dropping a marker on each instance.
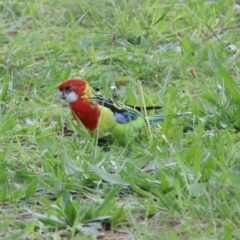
(178, 181)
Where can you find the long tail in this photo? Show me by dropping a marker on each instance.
(160, 118)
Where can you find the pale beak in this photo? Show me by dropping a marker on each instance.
(61, 95)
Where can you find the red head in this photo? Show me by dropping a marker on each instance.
(78, 93)
(73, 90)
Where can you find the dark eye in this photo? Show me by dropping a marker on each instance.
(68, 88)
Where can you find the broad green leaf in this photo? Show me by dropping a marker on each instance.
(66, 196)
(69, 209)
(195, 156)
(5, 154)
(3, 171)
(224, 79)
(211, 97)
(87, 213)
(16, 235)
(123, 42)
(17, 194)
(69, 166)
(4, 192)
(238, 119)
(108, 204)
(137, 189)
(197, 161)
(231, 86)
(98, 219)
(43, 141)
(4, 226)
(10, 124)
(4, 91)
(111, 178)
(50, 220)
(228, 230)
(31, 189)
(70, 212)
(118, 214)
(164, 182)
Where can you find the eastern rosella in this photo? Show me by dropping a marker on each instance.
(102, 116)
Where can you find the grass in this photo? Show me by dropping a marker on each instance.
(180, 184)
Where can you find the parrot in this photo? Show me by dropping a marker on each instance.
(103, 117)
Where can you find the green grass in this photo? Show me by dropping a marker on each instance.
(183, 183)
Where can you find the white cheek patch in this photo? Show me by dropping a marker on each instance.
(70, 97)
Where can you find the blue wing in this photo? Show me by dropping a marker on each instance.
(122, 113)
(125, 116)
